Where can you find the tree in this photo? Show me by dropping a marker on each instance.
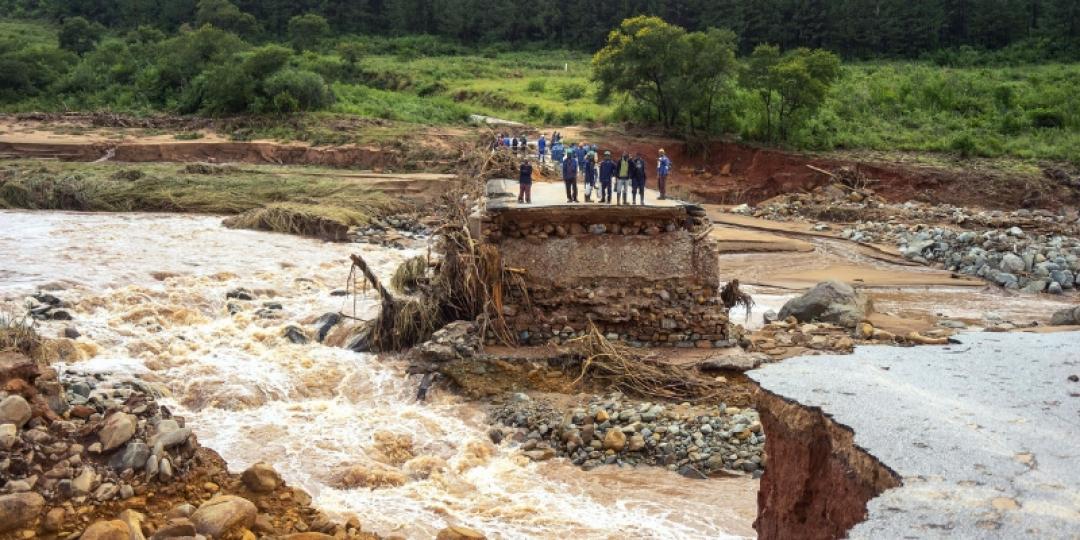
(677, 75)
(79, 35)
(226, 16)
(792, 86)
(306, 30)
(642, 59)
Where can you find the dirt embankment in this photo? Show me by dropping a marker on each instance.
(733, 173)
(817, 482)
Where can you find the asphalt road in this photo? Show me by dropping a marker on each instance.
(986, 435)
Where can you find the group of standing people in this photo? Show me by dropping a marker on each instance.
(518, 144)
(581, 161)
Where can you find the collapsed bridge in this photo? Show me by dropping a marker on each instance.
(644, 274)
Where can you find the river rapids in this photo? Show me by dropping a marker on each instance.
(148, 294)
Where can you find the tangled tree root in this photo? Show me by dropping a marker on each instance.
(617, 366)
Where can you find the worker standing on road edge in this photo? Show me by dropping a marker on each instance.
(525, 183)
(622, 182)
(541, 146)
(637, 179)
(663, 169)
(590, 175)
(607, 172)
(569, 176)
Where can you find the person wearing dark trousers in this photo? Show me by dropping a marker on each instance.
(663, 169)
(607, 172)
(525, 183)
(637, 179)
(590, 175)
(569, 176)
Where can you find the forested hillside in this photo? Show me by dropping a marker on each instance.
(993, 78)
(853, 28)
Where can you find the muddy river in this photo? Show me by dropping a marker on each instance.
(148, 295)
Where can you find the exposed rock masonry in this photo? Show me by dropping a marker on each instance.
(495, 232)
(661, 314)
(696, 441)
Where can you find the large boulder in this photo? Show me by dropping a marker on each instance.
(118, 429)
(14, 410)
(459, 532)
(830, 301)
(107, 530)
(1066, 317)
(223, 514)
(19, 509)
(261, 478)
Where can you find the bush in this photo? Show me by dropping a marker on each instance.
(1046, 118)
(537, 86)
(571, 91)
(297, 90)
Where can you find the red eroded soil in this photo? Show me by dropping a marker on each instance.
(733, 173)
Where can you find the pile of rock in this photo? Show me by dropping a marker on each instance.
(787, 338)
(696, 441)
(398, 231)
(1010, 258)
(46, 307)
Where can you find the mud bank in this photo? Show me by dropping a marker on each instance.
(362, 157)
(818, 481)
(972, 440)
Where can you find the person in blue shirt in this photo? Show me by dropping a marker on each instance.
(590, 175)
(569, 176)
(579, 154)
(541, 146)
(557, 152)
(607, 172)
(663, 169)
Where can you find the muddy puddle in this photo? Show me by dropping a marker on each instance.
(148, 293)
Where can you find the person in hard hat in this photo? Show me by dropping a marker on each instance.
(607, 172)
(569, 176)
(663, 169)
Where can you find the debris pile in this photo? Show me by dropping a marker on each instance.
(1010, 258)
(698, 442)
(398, 231)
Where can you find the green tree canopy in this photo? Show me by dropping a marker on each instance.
(792, 86)
(306, 30)
(223, 14)
(680, 76)
(79, 35)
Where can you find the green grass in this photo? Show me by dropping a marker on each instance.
(1026, 112)
(522, 86)
(28, 33)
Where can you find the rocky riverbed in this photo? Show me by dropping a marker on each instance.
(95, 456)
(696, 441)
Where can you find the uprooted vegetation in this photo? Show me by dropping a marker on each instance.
(466, 279)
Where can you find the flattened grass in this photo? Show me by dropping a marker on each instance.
(267, 198)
